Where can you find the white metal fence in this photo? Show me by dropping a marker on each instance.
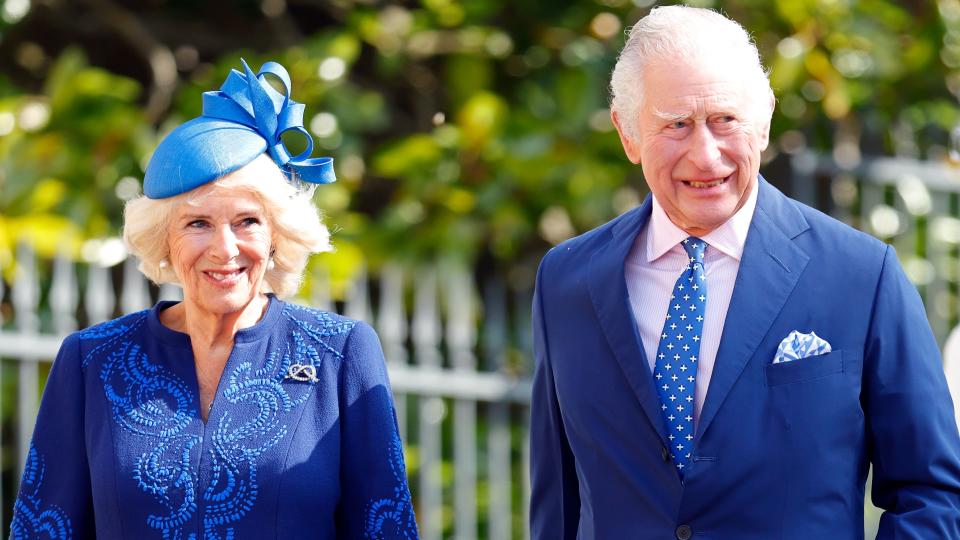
(458, 358)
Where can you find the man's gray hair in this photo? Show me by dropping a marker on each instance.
(674, 33)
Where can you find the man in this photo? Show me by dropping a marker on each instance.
(723, 362)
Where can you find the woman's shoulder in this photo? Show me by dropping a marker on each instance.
(320, 322)
(337, 332)
(78, 347)
(115, 327)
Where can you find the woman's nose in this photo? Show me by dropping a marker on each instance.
(224, 245)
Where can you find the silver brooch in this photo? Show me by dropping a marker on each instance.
(302, 373)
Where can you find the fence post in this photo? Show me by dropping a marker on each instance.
(461, 339)
(358, 297)
(135, 295)
(498, 437)
(426, 337)
(392, 327)
(320, 288)
(803, 180)
(26, 299)
(524, 339)
(938, 290)
(63, 294)
(99, 299)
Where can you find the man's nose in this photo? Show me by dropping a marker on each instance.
(704, 151)
(224, 245)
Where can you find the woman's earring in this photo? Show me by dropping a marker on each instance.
(163, 264)
(270, 264)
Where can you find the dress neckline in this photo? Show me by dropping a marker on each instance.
(258, 331)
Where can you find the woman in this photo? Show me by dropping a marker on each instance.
(231, 414)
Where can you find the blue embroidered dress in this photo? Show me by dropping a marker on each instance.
(120, 450)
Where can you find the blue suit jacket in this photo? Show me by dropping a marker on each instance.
(781, 451)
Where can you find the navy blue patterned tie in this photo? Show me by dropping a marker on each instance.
(678, 351)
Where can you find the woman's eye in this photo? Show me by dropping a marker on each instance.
(678, 125)
(247, 222)
(197, 224)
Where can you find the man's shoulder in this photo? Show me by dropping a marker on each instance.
(825, 228)
(815, 229)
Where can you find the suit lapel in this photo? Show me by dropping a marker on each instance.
(608, 292)
(769, 270)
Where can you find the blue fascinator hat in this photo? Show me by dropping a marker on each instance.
(242, 120)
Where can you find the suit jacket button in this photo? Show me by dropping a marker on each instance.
(664, 453)
(684, 532)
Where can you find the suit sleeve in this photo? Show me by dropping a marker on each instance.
(554, 488)
(55, 499)
(913, 435)
(375, 499)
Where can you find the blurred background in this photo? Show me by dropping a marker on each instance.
(469, 136)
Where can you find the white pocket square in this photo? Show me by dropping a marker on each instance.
(797, 345)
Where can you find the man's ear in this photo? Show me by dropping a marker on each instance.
(763, 127)
(626, 139)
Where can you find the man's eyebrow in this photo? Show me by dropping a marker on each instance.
(671, 116)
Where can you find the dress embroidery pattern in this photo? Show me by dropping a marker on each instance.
(152, 402)
(111, 331)
(329, 326)
(263, 401)
(392, 518)
(30, 518)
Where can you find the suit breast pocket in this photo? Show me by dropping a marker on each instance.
(805, 369)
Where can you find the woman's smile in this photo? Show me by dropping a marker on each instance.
(225, 278)
(220, 248)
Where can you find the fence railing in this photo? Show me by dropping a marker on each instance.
(458, 357)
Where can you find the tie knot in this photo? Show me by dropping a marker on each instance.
(695, 248)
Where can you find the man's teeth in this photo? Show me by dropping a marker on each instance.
(706, 184)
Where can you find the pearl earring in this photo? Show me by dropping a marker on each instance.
(163, 264)
(270, 264)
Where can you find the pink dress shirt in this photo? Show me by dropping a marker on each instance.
(652, 268)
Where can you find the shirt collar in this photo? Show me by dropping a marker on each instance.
(728, 238)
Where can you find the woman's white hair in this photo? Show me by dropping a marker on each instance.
(675, 33)
(297, 230)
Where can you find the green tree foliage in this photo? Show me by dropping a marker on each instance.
(64, 152)
(474, 129)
